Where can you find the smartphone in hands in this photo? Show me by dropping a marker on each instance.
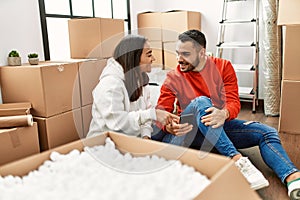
(187, 118)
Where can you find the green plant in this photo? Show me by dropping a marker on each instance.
(33, 55)
(13, 53)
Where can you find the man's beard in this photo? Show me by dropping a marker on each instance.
(191, 66)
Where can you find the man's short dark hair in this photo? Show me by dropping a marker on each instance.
(195, 36)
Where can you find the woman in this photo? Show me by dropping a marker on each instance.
(121, 98)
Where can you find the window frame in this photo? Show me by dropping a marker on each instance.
(44, 16)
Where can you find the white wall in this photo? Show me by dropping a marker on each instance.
(20, 29)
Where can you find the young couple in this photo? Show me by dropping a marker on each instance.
(203, 86)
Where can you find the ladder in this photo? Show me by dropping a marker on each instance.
(239, 46)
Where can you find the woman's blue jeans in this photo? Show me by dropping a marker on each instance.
(234, 134)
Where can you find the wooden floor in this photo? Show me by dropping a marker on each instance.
(247, 114)
(276, 190)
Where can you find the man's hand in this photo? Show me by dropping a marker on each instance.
(178, 129)
(215, 118)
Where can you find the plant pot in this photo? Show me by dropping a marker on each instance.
(33, 61)
(14, 61)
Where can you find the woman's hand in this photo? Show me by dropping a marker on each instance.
(165, 117)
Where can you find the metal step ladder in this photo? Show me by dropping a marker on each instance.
(228, 48)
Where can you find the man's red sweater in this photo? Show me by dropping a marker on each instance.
(217, 80)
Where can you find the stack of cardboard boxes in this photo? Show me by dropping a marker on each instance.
(162, 30)
(94, 38)
(17, 139)
(61, 92)
(289, 122)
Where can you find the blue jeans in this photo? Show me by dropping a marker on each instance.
(235, 134)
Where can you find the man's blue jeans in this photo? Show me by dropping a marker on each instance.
(234, 134)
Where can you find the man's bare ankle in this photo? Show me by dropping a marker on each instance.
(236, 157)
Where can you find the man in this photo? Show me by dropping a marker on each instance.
(207, 88)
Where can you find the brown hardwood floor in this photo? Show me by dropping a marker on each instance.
(246, 114)
(276, 190)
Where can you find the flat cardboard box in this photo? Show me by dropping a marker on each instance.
(12, 109)
(89, 73)
(176, 22)
(59, 129)
(94, 37)
(170, 56)
(86, 118)
(17, 143)
(226, 180)
(51, 88)
(291, 68)
(289, 107)
(288, 12)
(149, 25)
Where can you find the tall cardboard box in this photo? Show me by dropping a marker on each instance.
(89, 73)
(176, 22)
(149, 25)
(52, 88)
(170, 56)
(288, 12)
(17, 143)
(94, 37)
(59, 129)
(86, 118)
(291, 143)
(289, 107)
(291, 68)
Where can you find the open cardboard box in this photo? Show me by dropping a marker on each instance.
(226, 180)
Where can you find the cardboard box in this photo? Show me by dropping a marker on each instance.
(94, 37)
(59, 129)
(157, 51)
(291, 144)
(86, 118)
(288, 12)
(149, 25)
(226, 180)
(89, 73)
(52, 88)
(170, 56)
(291, 68)
(176, 22)
(12, 109)
(17, 143)
(289, 107)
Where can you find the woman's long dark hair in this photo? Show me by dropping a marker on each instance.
(128, 53)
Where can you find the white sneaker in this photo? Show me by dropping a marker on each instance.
(251, 173)
(294, 190)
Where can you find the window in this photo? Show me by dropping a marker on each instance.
(56, 13)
